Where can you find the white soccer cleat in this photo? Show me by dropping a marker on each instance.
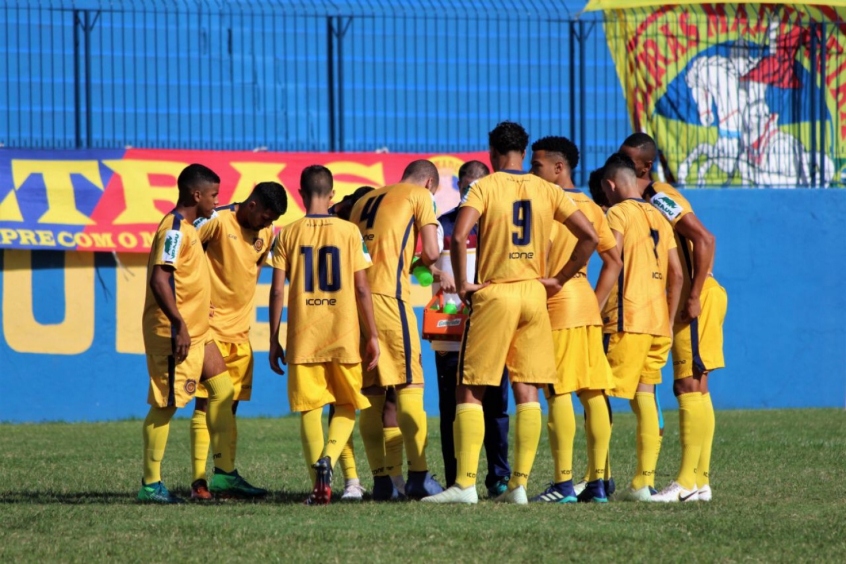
(455, 494)
(579, 487)
(517, 495)
(631, 494)
(675, 493)
(353, 491)
(705, 493)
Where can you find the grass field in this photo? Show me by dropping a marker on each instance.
(68, 494)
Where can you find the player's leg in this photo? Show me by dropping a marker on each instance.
(447, 367)
(239, 360)
(346, 460)
(495, 409)
(703, 468)
(598, 437)
(394, 446)
(200, 441)
(561, 429)
(373, 437)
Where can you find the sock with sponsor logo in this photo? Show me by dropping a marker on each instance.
(597, 433)
(411, 418)
(393, 451)
(690, 433)
(347, 460)
(311, 436)
(527, 432)
(200, 440)
(340, 431)
(562, 432)
(648, 439)
(708, 423)
(219, 419)
(155, 431)
(370, 427)
(469, 433)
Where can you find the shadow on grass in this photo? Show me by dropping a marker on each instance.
(131, 498)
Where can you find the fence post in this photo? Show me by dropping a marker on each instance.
(330, 65)
(822, 111)
(77, 93)
(572, 77)
(813, 116)
(87, 36)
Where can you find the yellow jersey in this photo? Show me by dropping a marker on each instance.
(235, 255)
(673, 206)
(517, 210)
(638, 303)
(575, 305)
(177, 244)
(390, 219)
(320, 255)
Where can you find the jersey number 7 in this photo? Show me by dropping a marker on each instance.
(328, 260)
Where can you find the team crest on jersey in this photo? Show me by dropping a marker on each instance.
(172, 243)
(666, 205)
(259, 244)
(191, 386)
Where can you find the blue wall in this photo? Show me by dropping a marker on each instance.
(780, 255)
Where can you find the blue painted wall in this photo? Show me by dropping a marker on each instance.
(780, 256)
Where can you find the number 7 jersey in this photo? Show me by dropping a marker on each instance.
(320, 255)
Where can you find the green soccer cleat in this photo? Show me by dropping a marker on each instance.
(499, 488)
(156, 493)
(233, 486)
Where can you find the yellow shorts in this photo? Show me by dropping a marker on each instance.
(311, 386)
(635, 358)
(239, 362)
(399, 344)
(580, 361)
(700, 343)
(508, 326)
(174, 384)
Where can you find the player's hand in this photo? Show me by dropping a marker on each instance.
(466, 293)
(447, 282)
(371, 353)
(277, 354)
(692, 309)
(551, 285)
(183, 343)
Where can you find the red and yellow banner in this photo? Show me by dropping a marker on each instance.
(112, 200)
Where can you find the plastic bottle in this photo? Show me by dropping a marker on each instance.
(451, 306)
(423, 275)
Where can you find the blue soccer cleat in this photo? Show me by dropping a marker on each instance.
(420, 485)
(385, 490)
(157, 493)
(593, 492)
(610, 487)
(562, 492)
(499, 488)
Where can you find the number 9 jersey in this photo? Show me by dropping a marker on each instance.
(320, 255)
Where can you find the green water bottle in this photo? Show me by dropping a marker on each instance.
(451, 307)
(423, 275)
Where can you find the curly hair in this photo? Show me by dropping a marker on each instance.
(560, 145)
(508, 136)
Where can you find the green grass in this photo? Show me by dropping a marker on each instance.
(67, 493)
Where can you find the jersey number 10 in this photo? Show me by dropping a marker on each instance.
(328, 259)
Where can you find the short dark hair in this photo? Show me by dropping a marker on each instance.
(595, 187)
(473, 168)
(561, 145)
(194, 174)
(272, 196)
(316, 180)
(643, 142)
(508, 136)
(421, 170)
(343, 209)
(616, 163)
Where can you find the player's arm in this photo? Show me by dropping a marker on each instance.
(277, 301)
(161, 284)
(443, 278)
(704, 247)
(429, 237)
(580, 226)
(467, 218)
(612, 264)
(365, 306)
(675, 280)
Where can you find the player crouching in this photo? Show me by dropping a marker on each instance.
(324, 258)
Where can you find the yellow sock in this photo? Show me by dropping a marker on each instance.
(393, 451)
(412, 422)
(562, 433)
(200, 440)
(219, 419)
(690, 433)
(648, 439)
(340, 431)
(370, 427)
(311, 435)
(233, 442)
(527, 431)
(155, 431)
(703, 468)
(469, 432)
(597, 433)
(347, 460)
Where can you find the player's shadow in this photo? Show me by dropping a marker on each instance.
(131, 498)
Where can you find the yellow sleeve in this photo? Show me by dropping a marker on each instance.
(563, 205)
(616, 220)
(280, 254)
(670, 234)
(208, 229)
(267, 236)
(475, 198)
(424, 209)
(607, 240)
(358, 251)
(167, 248)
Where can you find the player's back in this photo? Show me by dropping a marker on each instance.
(575, 304)
(638, 304)
(320, 255)
(389, 219)
(516, 214)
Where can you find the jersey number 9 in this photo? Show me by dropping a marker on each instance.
(523, 222)
(328, 259)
